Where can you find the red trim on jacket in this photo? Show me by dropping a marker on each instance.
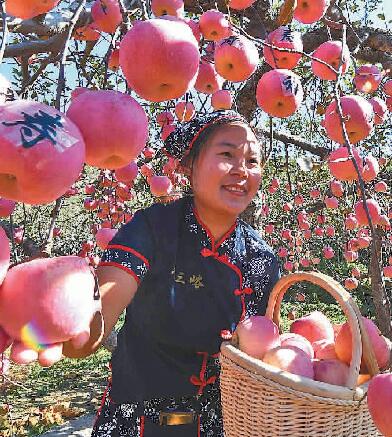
(214, 244)
(102, 403)
(120, 266)
(142, 418)
(240, 291)
(128, 249)
(200, 380)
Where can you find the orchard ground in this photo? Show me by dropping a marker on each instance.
(35, 399)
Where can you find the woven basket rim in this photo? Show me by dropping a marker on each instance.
(300, 383)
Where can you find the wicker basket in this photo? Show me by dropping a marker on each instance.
(259, 400)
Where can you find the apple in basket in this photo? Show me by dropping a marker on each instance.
(315, 326)
(290, 359)
(291, 339)
(331, 371)
(324, 350)
(381, 345)
(256, 335)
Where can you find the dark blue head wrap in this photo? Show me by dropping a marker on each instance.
(179, 143)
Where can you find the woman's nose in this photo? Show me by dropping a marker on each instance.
(239, 166)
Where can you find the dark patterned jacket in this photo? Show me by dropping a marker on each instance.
(192, 293)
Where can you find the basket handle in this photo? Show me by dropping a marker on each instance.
(360, 338)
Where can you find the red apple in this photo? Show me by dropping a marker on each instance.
(341, 165)
(208, 80)
(283, 37)
(42, 152)
(127, 173)
(164, 118)
(358, 116)
(114, 60)
(6, 207)
(240, 4)
(160, 185)
(167, 7)
(279, 93)
(221, 99)
(380, 110)
(185, 111)
(367, 78)
(236, 58)
(374, 211)
(86, 33)
(331, 53)
(106, 15)
(371, 168)
(104, 236)
(310, 11)
(214, 26)
(165, 52)
(379, 399)
(27, 9)
(114, 127)
(48, 300)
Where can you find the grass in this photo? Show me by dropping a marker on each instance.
(34, 399)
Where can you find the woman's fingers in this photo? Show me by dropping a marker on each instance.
(22, 354)
(81, 339)
(50, 355)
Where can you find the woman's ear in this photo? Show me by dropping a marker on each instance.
(184, 169)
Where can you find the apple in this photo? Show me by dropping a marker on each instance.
(107, 15)
(367, 78)
(184, 111)
(214, 26)
(208, 80)
(310, 11)
(236, 58)
(331, 53)
(358, 119)
(283, 37)
(279, 93)
(167, 7)
(221, 99)
(42, 151)
(27, 9)
(165, 52)
(114, 127)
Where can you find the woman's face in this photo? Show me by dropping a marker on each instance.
(227, 173)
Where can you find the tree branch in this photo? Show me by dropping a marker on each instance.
(28, 48)
(297, 141)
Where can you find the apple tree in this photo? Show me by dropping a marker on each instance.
(90, 89)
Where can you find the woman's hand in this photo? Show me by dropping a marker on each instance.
(116, 289)
(73, 348)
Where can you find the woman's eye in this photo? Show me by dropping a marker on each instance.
(228, 154)
(253, 161)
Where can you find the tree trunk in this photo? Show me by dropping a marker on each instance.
(380, 298)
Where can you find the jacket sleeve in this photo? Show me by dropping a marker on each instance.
(132, 248)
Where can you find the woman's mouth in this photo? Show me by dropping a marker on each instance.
(237, 190)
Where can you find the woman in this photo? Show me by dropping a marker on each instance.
(187, 273)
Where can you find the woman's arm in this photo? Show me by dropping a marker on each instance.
(117, 289)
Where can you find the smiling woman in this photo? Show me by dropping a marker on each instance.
(225, 174)
(187, 273)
